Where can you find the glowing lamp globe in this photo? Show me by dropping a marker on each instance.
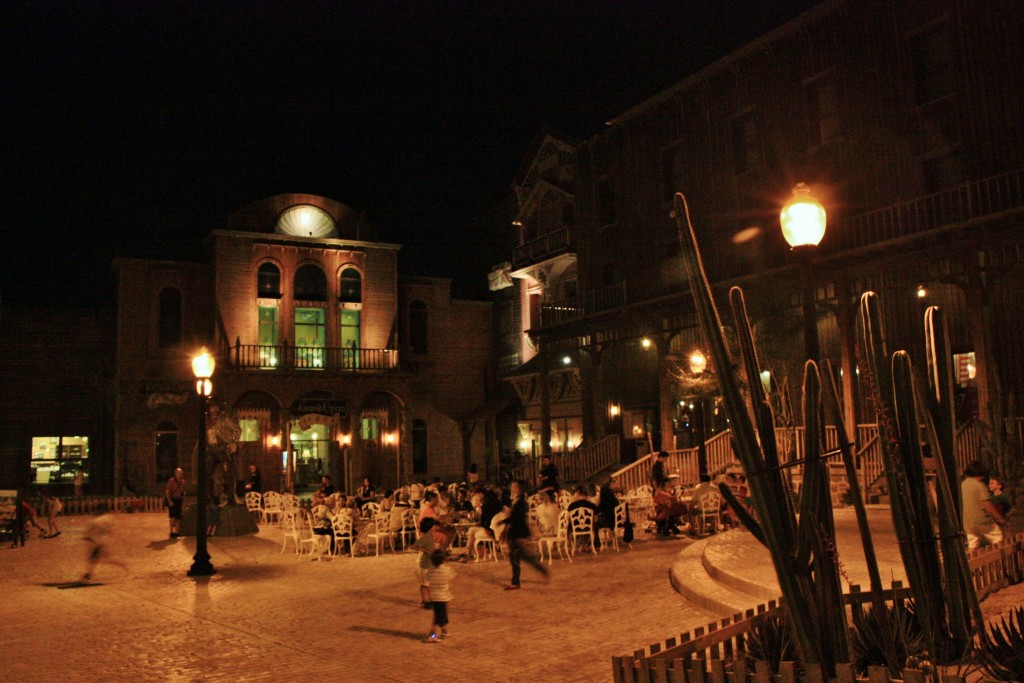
(802, 218)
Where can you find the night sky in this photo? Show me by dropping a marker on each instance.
(132, 129)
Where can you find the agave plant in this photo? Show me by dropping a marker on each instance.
(874, 633)
(772, 640)
(1002, 652)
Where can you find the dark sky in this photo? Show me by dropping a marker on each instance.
(132, 129)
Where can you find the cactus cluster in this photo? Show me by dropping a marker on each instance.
(936, 563)
(801, 547)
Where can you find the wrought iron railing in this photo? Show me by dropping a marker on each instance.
(311, 358)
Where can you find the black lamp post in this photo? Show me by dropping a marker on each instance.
(803, 226)
(698, 364)
(202, 368)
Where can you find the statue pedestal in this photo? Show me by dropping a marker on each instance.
(235, 520)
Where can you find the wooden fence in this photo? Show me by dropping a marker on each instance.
(97, 505)
(719, 649)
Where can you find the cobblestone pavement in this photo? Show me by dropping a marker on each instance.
(268, 616)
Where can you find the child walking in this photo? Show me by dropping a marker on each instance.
(439, 577)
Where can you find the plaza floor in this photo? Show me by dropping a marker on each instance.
(267, 616)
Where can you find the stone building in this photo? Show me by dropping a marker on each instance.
(903, 118)
(329, 360)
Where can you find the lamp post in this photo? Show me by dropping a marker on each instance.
(803, 226)
(202, 368)
(698, 364)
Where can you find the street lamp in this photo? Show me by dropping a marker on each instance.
(202, 368)
(698, 364)
(803, 226)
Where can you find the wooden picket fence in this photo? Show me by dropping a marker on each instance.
(717, 653)
(97, 505)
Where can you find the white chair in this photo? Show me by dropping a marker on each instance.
(564, 498)
(378, 533)
(409, 531)
(253, 503)
(370, 510)
(344, 532)
(558, 540)
(272, 506)
(581, 526)
(318, 544)
(611, 536)
(292, 530)
(289, 501)
(710, 506)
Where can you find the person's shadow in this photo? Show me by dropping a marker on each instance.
(162, 544)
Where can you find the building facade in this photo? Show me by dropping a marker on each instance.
(904, 118)
(329, 361)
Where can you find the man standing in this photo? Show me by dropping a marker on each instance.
(981, 518)
(658, 474)
(174, 492)
(548, 476)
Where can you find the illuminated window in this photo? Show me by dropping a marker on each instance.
(267, 336)
(350, 340)
(309, 338)
(55, 459)
(250, 430)
(964, 369)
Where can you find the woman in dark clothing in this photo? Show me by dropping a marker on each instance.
(606, 505)
(517, 533)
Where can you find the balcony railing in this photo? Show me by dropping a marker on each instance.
(599, 300)
(979, 199)
(553, 243)
(310, 358)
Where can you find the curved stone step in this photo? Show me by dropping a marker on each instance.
(692, 581)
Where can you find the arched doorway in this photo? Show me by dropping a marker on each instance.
(319, 424)
(381, 440)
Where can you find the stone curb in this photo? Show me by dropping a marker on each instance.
(691, 580)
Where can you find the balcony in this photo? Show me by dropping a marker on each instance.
(312, 359)
(978, 200)
(551, 244)
(605, 299)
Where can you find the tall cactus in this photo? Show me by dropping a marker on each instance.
(901, 407)
(801, 551)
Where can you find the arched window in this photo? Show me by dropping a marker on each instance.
(169, 325)
(310, 283)
(419, 447)
(418, 327)
(165, 449)
(351, 291)
(268, 282)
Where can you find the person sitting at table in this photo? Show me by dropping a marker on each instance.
(388, 501)
(326, 488)
(547, 514)
(366, 493)
(428, 510)
(322, 522)
(397, 513)
(581, 499)
(668, 511)
(416, 494)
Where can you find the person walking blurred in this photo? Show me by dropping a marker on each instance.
(517, 533)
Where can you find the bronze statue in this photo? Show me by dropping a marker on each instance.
(222, 434)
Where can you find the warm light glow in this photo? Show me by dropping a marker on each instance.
(566, 360)
(524, 445)
(971, 371)
(203, 364)
(389, 439)
(698, 362)
(275, 441)
(346, 439)
(921, 292)
(766, 380)
(645, 342)
(637, 430)
(802, 218)
(613, 410)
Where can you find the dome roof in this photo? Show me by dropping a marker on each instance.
(305, 220)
